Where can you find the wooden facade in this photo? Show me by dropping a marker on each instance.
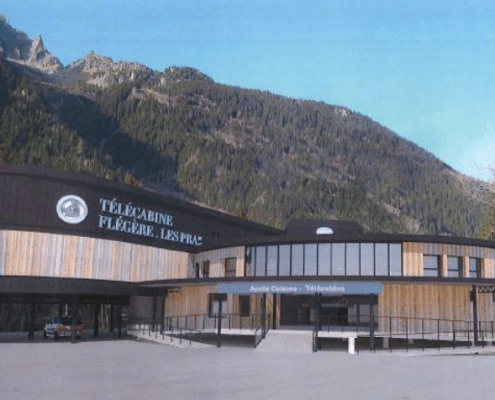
(155, 243)
(24, 253)
(216, 259)
(430, 305)
(413, 252)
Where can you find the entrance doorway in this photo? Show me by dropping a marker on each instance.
(342, 311)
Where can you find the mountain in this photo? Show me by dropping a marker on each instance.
(17, 47)
(251, 153)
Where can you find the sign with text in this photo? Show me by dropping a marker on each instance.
(140, 221)
(301, 287)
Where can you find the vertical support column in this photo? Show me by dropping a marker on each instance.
(474, 299)
(153, 316)
(219, 326)
(372, 322)
(274, 319)
(97, 319)
(75, 314)
(317, 343)
(32, 317)
(112, 311)
(263, 314)
(444, 266)
(162, 313)
(119, 321)
(318, 309)
(465, 267)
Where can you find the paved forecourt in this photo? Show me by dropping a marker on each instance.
(130, 370)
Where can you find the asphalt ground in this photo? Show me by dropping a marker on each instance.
(126, 369)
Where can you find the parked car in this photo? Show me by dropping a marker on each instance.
(62, 327)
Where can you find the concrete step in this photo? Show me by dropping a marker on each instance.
(280, 341)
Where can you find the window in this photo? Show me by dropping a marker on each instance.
(310, 260)
(297, 259)
(244, 305)
(230, 267)
(260, 261)
(271, 260)
(352, 259)
(284, 260)
(205, 270)
(395, 259)
(338, 259)
(381, 259)
(431, 265)
(214, 300)
(475, 267)
(324, 259)
(248, 264)
(367, 259)
(454, 267)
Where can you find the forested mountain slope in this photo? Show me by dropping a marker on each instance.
(251, 153)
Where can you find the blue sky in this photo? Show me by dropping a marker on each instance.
(424, 69)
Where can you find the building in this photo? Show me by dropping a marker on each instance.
(66, 238)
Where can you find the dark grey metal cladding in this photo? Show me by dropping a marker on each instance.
(69, 286)
(29, 196)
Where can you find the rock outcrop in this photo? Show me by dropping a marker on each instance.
(103, 71)
(16, 46)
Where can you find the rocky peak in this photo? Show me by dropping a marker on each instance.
(103, 71)
(40, 58)
(16, 46)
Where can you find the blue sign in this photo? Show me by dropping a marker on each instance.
(301, 287)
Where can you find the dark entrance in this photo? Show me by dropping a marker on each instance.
(334, 311)
(26, 303)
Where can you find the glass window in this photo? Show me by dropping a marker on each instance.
(352, 259)
(431, 265)
(205, 269)
(310, 260)
(367, 259)
(324, 259)
(395, 252)
(297, 259)
(214, 300)
(338, 259)
(284, 264)
(260, 261)
(474, 267)
(244, 305)
(381, 259)
(272, 260)
(249, 262)
(230, 267)
(454, 267)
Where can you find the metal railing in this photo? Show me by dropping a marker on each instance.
(404, 332)
(210, 321)
(204, 323)
(262, 330)
(145, 327)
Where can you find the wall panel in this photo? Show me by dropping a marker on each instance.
(64, 256)
(429, 301)
(217, 260)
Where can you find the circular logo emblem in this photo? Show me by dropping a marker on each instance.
(72, 209)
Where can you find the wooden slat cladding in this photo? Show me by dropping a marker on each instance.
(45, 254)
(431, 302)
(217, 260)
(413, 257)
(191, 300)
